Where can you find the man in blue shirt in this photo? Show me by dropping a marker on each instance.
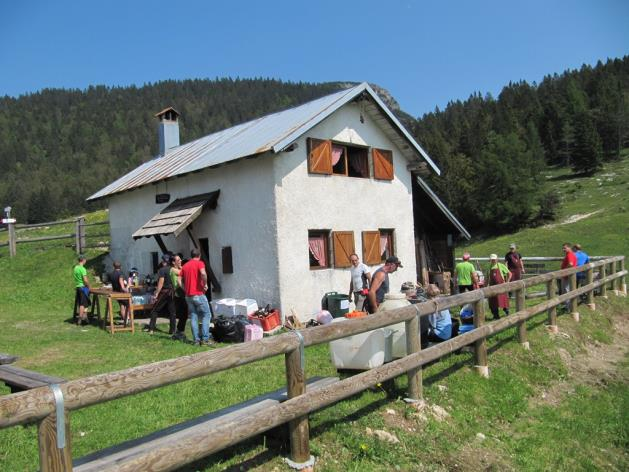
(582, 259)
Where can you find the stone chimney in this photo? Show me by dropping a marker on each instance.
(168, 129)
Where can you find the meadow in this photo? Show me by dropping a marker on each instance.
(550, 408)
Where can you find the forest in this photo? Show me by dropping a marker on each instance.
(59, 146)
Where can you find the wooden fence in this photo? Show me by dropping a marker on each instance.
(39, 405)
(79, 237)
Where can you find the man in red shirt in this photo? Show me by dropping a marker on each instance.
(195, 285)
(569, 260)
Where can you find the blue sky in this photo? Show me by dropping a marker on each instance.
(425, 53)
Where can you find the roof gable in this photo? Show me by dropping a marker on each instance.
(272, 133)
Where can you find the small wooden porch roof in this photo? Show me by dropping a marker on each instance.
(177, 216)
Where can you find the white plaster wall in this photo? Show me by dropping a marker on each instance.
(337, 203)
(244, 219)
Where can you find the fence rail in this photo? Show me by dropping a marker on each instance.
(79, 236)
(38, 405)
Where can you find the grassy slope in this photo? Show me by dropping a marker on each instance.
(587, 428)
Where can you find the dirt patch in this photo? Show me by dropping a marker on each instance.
(573, 219)
(474, 457)
(596, 365)
(46, 356)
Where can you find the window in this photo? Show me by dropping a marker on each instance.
(371, 247)
(325, 157)
(343, 242)
(319, 248)
(382, 164)
(155, 261)
(226, 256)
(387, 248)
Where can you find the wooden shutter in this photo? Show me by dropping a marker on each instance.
(228, 266)
(382, 164)
(319, 156)
(371, 247)
(343, 247)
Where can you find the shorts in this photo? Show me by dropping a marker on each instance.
(82, 298)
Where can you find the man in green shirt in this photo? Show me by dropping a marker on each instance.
(82, 285)
(465, 274)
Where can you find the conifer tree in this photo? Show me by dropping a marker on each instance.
(587, 152)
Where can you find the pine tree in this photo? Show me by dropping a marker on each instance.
(587, 152)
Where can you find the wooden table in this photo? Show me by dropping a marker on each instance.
(109, 311)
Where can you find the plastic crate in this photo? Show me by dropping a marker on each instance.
(268, 322)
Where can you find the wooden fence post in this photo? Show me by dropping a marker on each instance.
(615, 282)
(12, 239)
(589, 278)
(573, 301)
(602, 274)
(413, 344)
(80, 234)
(551, 291)
(51, 457)
(298, 429)
(623, 280)
(519, 305)
(480, 346)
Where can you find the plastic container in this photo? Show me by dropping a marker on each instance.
(336, 303)
(398, 339)
(224, 306)
(246, 306)
(362, 351)
(253, 332)
(356, 314)
(267, 323)
(324, 317)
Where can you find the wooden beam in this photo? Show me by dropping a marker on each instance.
(160, 243)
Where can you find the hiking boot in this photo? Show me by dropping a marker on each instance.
(197, 343)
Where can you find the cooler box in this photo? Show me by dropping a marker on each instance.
(362, 351)
(224, 306)
(336, 303)
(246, 306)
(253, 332)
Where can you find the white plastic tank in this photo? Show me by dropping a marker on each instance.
(398, 338)
(362, 351)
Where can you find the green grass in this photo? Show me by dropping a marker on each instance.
(587, 428)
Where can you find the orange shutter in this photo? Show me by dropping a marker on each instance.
(319, 156)
(371, 247)
(343, 248)
(382, 164)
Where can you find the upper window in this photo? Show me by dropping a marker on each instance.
(319, 248)
(325, 157)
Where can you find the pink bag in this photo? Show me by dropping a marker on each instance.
(253, 332)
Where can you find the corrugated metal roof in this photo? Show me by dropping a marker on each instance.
(270, 133)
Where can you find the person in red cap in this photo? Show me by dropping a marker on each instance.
(465, 274)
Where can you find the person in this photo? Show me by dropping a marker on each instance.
(380, 283)
(440, 324)
(582, 259)
(181, 307)
(498, 274)
(467, 318)
(465, 274)
(163, 297)
(514, 262)
(195, 285)
(119, 284)
(569, 260)
(82, 289)
(359, 281)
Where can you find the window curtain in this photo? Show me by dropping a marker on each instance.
(317, 249)
(337, 152)
(360, 166)
(384, 242)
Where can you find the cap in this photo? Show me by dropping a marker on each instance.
(512, 246)
(466, 256)
(493, 256)
(394, 260)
